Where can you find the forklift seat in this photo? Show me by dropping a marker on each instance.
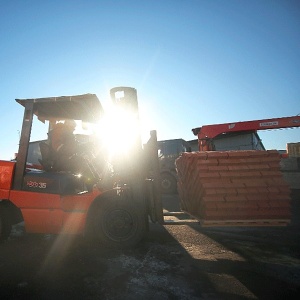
(47, 160)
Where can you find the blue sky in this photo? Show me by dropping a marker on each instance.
(192, 62)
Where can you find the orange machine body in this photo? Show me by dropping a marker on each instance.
(46, 212)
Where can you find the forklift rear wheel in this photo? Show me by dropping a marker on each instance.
(118, 223)
(5, 226)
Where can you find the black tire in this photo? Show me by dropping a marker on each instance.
(118, 223)
(168, 183)
(5, 226)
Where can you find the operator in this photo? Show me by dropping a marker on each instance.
(63, 146)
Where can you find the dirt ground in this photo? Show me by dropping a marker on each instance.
(173, 262)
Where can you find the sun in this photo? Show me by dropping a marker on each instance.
(119, 131)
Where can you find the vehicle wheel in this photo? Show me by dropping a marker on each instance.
(168, 184)
(5, 226)
(119, 223)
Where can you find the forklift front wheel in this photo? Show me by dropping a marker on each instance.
(118, 223)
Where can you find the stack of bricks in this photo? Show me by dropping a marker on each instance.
(234, 188)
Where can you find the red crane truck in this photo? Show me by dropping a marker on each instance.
(235, 188)
(207, 133)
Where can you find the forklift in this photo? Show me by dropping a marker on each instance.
(109, 198)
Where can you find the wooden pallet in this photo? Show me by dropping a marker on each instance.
(184, 218)
(180, 222)
(245, 223)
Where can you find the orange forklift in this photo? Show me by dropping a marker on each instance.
(109, 199)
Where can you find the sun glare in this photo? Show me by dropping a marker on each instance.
(119, 131)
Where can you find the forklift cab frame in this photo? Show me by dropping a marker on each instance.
(85, 107)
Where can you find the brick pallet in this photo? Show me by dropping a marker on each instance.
(234, 188)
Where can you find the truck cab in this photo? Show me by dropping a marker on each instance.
(168, 152)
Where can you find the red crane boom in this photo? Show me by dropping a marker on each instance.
(207, 132)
